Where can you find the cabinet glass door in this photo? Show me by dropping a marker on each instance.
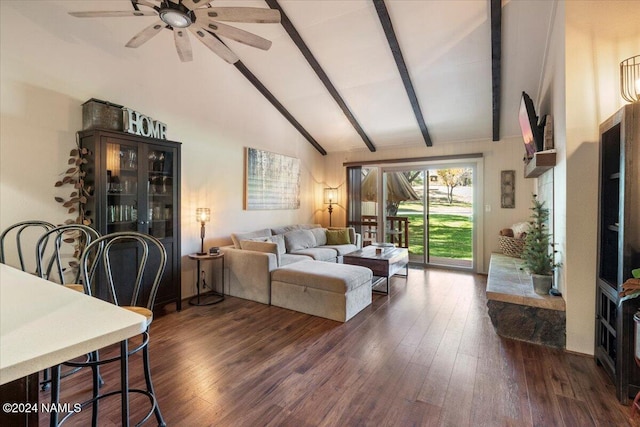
(122, 187)
(160, 195)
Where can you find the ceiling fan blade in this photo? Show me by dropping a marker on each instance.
(214, 44)
(113, 13)
(145, 3)
(240, 14)
(192, 4)
(236, 34)
(144, 35)
(183, 45)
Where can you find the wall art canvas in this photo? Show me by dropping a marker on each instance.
(508, 189)
(272, 181)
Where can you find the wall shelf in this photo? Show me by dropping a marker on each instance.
(541, 162)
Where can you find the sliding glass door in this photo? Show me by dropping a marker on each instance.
(428, 209)
(449, 218)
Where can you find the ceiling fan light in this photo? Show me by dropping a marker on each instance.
(175, 18)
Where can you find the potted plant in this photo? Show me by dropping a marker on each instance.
(537, 256)
(631, 288)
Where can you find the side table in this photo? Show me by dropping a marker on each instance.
(211, 297)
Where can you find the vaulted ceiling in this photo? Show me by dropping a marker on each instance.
(363, 101)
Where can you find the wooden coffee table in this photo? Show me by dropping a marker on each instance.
(384, 265)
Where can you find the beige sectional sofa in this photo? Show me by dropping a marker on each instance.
(330, 290)
(253, 256)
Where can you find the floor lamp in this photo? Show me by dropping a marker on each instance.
(330, 197)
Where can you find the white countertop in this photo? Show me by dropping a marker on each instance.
(43, 324)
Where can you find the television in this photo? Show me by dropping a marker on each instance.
(532, 131)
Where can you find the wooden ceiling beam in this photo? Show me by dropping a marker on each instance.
(496, 56)
(306, 52)
(385, 20)
(274, 101)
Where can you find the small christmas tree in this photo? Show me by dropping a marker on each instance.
(538, 259)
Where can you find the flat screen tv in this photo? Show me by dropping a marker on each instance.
(532, 132)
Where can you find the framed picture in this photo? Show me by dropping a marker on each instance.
(272, 181)
(508, 189)
(548, 132)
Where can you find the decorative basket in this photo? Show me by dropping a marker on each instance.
(101, 114)
(511, 246)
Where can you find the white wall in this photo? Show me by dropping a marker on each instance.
(506, 154)
(581, 89)
(593, 54)
(44, 79)
(552, 184)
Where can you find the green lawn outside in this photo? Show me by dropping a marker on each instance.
(451, 235)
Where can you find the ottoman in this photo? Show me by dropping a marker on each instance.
(325, 289)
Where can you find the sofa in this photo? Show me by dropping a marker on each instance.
(255, 254)
(333, 291)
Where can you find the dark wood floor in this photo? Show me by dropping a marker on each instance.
(426, 355)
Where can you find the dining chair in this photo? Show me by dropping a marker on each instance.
(54, 247)
(26, 234)
(132, 285)
(65, 242)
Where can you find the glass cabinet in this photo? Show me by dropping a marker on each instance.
(136, 187)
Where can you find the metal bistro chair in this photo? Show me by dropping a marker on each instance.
(61, 243)
(67, 241)
(25, 232)
(141, 261)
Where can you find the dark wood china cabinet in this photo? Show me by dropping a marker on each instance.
(136, 184)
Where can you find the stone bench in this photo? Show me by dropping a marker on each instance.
(516, 311)
(325, 289)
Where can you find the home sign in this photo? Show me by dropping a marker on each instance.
(139, 124)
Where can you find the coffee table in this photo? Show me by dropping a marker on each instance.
(385, 264)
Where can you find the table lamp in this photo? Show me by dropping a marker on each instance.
(202, 215)
(330, 196)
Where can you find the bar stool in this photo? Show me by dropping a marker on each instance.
(56, 244)
(150, 258)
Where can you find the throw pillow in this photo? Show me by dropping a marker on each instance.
(258, 245)
(237, 237)
(285, 229)
(279, 240)
(338, 237)
(519, 229)
(299, 239)
(321, 235)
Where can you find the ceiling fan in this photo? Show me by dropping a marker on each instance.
(200, 19)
